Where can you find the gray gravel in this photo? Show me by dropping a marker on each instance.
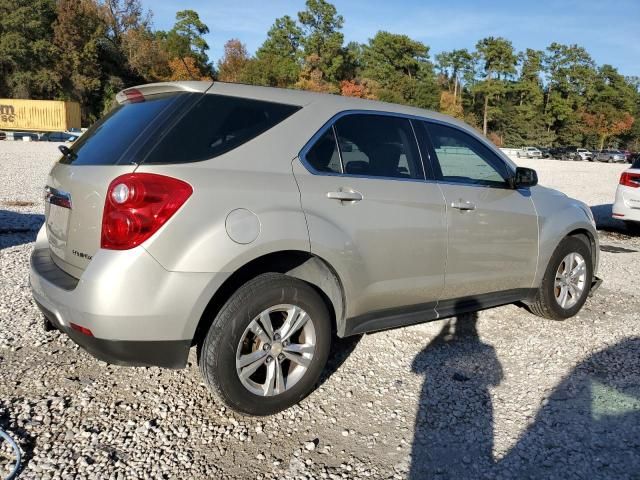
(500, 395)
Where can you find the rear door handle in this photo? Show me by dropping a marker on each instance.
(345, 195)
(463, 205)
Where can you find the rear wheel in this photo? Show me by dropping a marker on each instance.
(566, 282)
(267, 346)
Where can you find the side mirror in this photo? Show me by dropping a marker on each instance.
(524, 177)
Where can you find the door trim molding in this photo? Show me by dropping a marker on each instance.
(430, 311)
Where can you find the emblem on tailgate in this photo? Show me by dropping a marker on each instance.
(81, 254)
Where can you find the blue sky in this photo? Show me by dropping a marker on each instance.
(608, 29)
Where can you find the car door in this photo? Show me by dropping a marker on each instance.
(372, 215)
(492, 228)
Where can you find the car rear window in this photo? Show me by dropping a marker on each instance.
(175, 128)
(215, 125)
(112, 139)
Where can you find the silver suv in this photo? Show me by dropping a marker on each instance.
(259, 224)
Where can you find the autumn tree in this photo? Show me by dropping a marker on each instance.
(231, 66)
(186, 39)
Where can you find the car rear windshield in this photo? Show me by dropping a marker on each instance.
(176, 128)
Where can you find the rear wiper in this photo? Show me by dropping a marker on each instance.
(67, 152)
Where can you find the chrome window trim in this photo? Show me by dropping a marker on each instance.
(331, 124)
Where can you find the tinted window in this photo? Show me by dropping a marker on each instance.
(216, 125)
(463, 159)
(378, 146)
(324, 156)
(110, 139)
(636, 162)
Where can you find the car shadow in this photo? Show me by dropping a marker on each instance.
(589, 427)
(341, 349)
(18, 228)
(605, 222)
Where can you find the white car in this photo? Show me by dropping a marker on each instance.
(627, 204)
(529, 152)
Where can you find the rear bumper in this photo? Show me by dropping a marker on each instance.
(627, 204)
(160, 353)
(138, 312)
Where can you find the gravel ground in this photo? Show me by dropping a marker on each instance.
(501, 394)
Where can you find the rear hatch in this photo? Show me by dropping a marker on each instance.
(115, 145)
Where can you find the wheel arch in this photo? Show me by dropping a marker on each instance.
(300, 264)
(588, 237)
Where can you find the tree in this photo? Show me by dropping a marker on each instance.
(454, 64)
(27, 53)
(231, 66)
(78, 32)
(186, 39)
(322, 40)
(277, 61)
(498, 61)
(401, 68)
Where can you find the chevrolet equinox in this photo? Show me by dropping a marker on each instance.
(258, 224)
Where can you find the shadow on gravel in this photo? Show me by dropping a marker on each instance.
(605, 222)
(454, 423)
(22, 437)
(341, 348)
(589, 427)
(18, 228)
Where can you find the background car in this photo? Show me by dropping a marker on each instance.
(546, 153)
(627, 204)
(3, 136)
(577, 154)
(529, 152)
(60, 137)
(610, 156)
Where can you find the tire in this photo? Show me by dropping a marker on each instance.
(229, 339)
(545, 303)
(610, 160)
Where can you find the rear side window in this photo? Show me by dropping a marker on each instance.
(215, 125)
(110, 140)
(378, 146)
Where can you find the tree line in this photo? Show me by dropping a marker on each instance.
(88, 50)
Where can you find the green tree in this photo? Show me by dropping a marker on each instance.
(27, 53)
(323, 40)
(401, 68)
(278, 61)
(498, 61)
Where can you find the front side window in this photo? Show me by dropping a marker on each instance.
(464, 159)
(378, 146)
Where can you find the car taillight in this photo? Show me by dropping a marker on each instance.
(137, 205)
(629, 179)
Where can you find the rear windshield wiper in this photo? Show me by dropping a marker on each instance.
(67, 152)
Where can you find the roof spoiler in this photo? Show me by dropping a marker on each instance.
(138, 93)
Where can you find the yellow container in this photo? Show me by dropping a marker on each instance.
(38, 115)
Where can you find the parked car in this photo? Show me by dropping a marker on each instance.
(576, 153)
(557, 152)
(3, 136)
(258, 227)
(610, 156)
(32, 136)
(60, 137)
(627, 204)
(546, 152)
(529, 152)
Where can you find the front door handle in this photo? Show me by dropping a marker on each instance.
(463, 205)
(345, 195)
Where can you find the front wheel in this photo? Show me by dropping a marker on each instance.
(267, 346)
(567, 281)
